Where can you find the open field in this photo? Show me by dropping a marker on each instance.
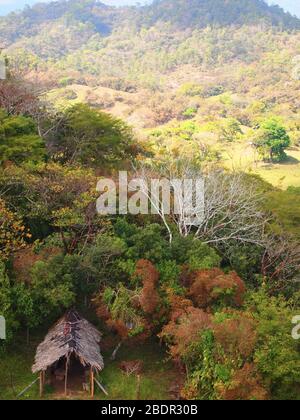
(282, 175)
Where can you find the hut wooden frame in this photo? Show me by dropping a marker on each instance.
(71, 335)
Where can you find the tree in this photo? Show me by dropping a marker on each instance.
(54, 285)
(190, 89)
(6, 302)
(276, 353)
(280, 263)
(148, 243)
(17, 97)
(92, 138)
(216, 350)
(202, 257)
(118, 308)
(246, 384)
(149, 298)
(62, 199)
(133, 312)
(213, 287)
(229, 130)
(181, 332)
(12, 232)
(22, 96)
(24, 307)
(272, 140)
(100, 260)
(229, 209)
(20, 142)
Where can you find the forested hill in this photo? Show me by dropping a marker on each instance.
(202, 13)
(91, 16)
(95, 17)
(90, 52)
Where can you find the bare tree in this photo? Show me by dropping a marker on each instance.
(230, 209)
(24, 92)
(281, 260)
(17, 98)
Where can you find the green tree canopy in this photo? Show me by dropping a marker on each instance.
(93, 138)
(19, 141)
(272, 140)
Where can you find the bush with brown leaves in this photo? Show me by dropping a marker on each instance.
(149, 297)
(213, 286)
(246, 384)
(236, 335)
(187, 329)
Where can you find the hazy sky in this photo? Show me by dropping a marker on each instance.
(9, 5)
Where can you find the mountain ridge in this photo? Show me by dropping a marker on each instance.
(181, 14)
(220, 12)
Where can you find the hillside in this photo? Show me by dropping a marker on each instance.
(79, 34)
(181, 14)
(87, 42)
(201, 13)
(168, 62)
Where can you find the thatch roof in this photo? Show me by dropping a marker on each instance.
(71, 335)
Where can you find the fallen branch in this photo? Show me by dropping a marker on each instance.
(101, 387)
(27, 388)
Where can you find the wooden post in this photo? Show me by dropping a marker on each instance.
(138, 387)
(66, 376)
(41, 384)
(92, 383)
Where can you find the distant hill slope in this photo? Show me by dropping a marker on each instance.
(182, 14)
(97, 16)
(201, 13)
(242, 46)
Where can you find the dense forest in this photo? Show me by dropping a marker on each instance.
(176, 89)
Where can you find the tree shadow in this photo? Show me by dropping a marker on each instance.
(290, 160)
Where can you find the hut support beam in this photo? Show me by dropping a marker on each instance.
(66, 376)
(41, 384)
(92, 383)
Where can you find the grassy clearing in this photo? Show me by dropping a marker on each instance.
(244, 157)
(15, 370)
(157, 377)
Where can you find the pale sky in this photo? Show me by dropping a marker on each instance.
(7, 6)
(10, 5)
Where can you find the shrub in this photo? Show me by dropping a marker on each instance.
(214, 287)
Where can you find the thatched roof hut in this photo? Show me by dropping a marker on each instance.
(71, 336)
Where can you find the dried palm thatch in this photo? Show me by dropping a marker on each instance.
(72, 335)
